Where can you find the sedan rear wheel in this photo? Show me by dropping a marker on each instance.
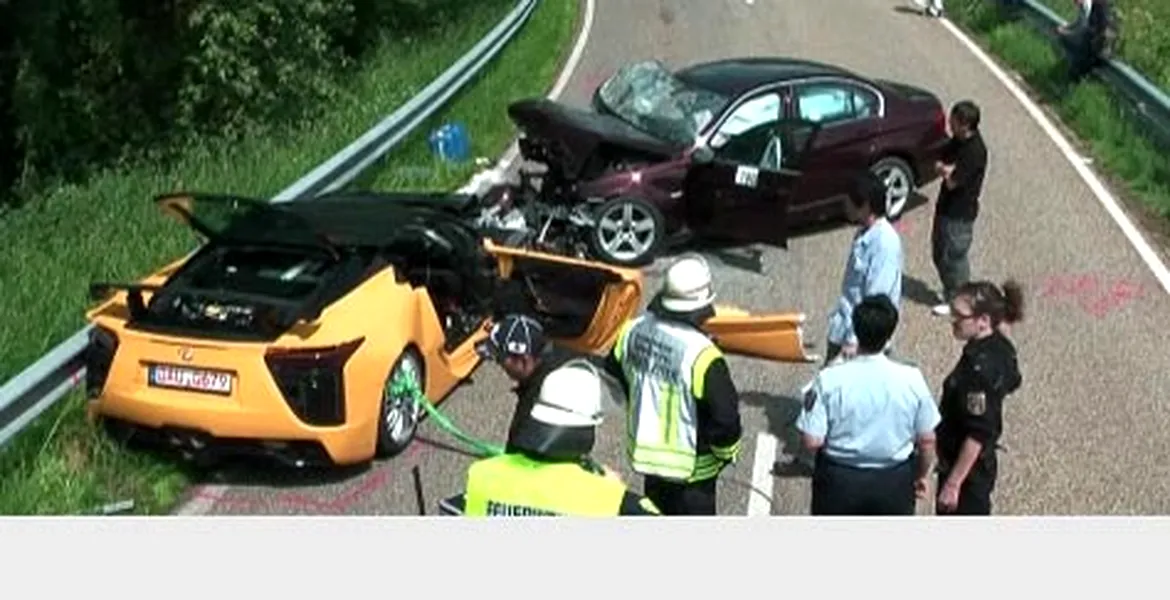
(400, 412)
(899, 180)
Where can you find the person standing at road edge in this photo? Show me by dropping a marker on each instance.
(874, 266)
(962, 169)
(973, 395)
(870, 424)
(683, 409)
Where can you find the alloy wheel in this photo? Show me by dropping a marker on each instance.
(626, 231)
(402, 411)
(898, 188)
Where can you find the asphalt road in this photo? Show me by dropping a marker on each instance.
(1085, 435)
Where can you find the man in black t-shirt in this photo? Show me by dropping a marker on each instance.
(963, 165)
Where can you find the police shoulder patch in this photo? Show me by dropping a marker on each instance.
(976, 403)
(810, 398)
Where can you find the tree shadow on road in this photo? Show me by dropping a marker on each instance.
(781, 412)
(261, 472)
(264, 472)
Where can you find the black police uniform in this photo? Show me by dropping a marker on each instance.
(972, 407)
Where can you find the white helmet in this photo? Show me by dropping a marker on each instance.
(688, 285)
(570, 396)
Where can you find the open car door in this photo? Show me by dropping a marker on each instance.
(776, 336)
(741, 190)
(580, 304)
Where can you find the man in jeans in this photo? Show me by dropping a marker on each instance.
(963, 164)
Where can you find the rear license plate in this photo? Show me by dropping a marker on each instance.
(184, 378)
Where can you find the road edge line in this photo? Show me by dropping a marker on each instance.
(760, 497)
(1104, 196)
(562, 81)
(204, 498)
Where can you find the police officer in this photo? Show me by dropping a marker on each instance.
(548, 472)
(973, 395)
(518, 344)
(865, 420)
(683, 424)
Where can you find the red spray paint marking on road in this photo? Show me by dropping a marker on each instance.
(338, 504)
(1096, 296)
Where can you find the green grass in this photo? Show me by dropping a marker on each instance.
(1096, 114)
(107, 229)
(511, 77)
(1145, 39)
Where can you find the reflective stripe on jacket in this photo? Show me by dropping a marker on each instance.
(665, 364)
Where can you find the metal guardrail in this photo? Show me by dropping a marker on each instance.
(24, 397)
(1150, 102)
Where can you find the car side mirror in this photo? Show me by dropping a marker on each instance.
(702, 155)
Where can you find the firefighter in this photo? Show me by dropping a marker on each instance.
(546, 470)
(683, 409)
(518, 344)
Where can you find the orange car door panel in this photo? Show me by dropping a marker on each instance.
(580, 304)
(774, 336)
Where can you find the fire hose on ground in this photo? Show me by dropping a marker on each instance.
(406, 387)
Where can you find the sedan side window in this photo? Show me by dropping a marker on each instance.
(828, 103)
(748, 136)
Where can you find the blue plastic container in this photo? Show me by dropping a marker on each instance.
(450, 143)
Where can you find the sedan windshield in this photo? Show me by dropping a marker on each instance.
(649, 97)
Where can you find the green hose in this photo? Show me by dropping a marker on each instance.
(406, 386)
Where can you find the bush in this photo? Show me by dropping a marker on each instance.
(89, 83)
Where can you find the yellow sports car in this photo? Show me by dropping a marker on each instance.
(284, 332)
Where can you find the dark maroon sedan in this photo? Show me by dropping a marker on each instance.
(739, 149)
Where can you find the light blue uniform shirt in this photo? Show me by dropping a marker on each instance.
(869, 411)
(874, 267)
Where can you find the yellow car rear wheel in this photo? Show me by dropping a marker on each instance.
(400, 413)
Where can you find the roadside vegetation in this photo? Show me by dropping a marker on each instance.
(1101, 119)
(257, 130)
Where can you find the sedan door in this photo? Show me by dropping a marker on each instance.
(739, 185)
(850, 118)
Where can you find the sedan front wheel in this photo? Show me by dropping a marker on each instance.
(627, 232)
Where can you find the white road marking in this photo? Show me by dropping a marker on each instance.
(760, 496)
(207, 496)
(1151, 258)
(575, 56)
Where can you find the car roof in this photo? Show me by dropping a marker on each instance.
(734, 76)
(343, 219)
(378, 218)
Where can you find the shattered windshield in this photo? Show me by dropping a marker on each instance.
(649, 97)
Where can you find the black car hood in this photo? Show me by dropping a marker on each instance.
(575, 133)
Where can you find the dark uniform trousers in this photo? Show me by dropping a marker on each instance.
(975, 493)
(840, 489)
(676, 498)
